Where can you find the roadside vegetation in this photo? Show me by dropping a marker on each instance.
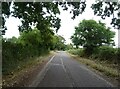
(23, 74)
(108, 66)
(27, 47)
(97, 52)
(22, 52)
(33, 43)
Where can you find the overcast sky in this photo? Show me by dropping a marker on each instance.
(67, 24)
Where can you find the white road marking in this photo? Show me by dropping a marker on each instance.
(62, 64)
(42, 74)
(94, 74)
(61, 61)
(56, 64)
(50, 60)
(67, 73)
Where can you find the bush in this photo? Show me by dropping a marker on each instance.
(21, 50)
(101, 53)
(105, 53)
(118, 55)
(79, 52)
(15, 53)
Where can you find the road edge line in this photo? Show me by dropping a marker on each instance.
(41, 74)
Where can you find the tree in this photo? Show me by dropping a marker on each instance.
(5, 14)
(91, 34)
(30, 38)
(103, 9)
(61, 43)
(40, 14)
(75, 40)
(13, 39)
(35, 38)
(58, 42)
(107, 9)
(69, 46)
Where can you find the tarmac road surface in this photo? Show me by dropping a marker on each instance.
(63, 71)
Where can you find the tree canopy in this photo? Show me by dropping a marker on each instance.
(42, 14)
(107, 9)
(91, 34)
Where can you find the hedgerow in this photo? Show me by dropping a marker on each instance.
(101, 53)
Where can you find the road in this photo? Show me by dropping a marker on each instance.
(63, 71)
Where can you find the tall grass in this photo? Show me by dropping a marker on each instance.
(101, 53)
(79, 52)
(106, 53)
(104, 59)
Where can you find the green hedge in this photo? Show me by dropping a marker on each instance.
(106, 53)
(79, 52)
(118, 55)
(101, 53)
(15, 53)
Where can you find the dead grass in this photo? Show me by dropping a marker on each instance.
(102, 66)
(14, 77)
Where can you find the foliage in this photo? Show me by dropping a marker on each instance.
(103, 53)
(58, 43)
(118, 54)
(69, 46)
(107, 9)
(13, 39)
(91, 34)
(29, 45)
(79, 52)
(10, 54)
(107, 53)
(5, 14)
(33, 13)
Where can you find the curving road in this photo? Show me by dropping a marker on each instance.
(63, 71)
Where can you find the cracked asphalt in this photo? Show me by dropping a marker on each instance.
(63, 71)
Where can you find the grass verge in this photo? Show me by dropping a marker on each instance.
(24, 70)
(108, 69)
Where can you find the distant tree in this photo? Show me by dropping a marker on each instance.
(91, 34)
(61, 42)
(58, 42)
(13, 39)
(69, 46)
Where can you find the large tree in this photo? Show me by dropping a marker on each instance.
(40, 14)
(91, 34)
(108, 8)
(34, 12)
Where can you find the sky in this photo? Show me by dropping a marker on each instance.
(67, 24)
